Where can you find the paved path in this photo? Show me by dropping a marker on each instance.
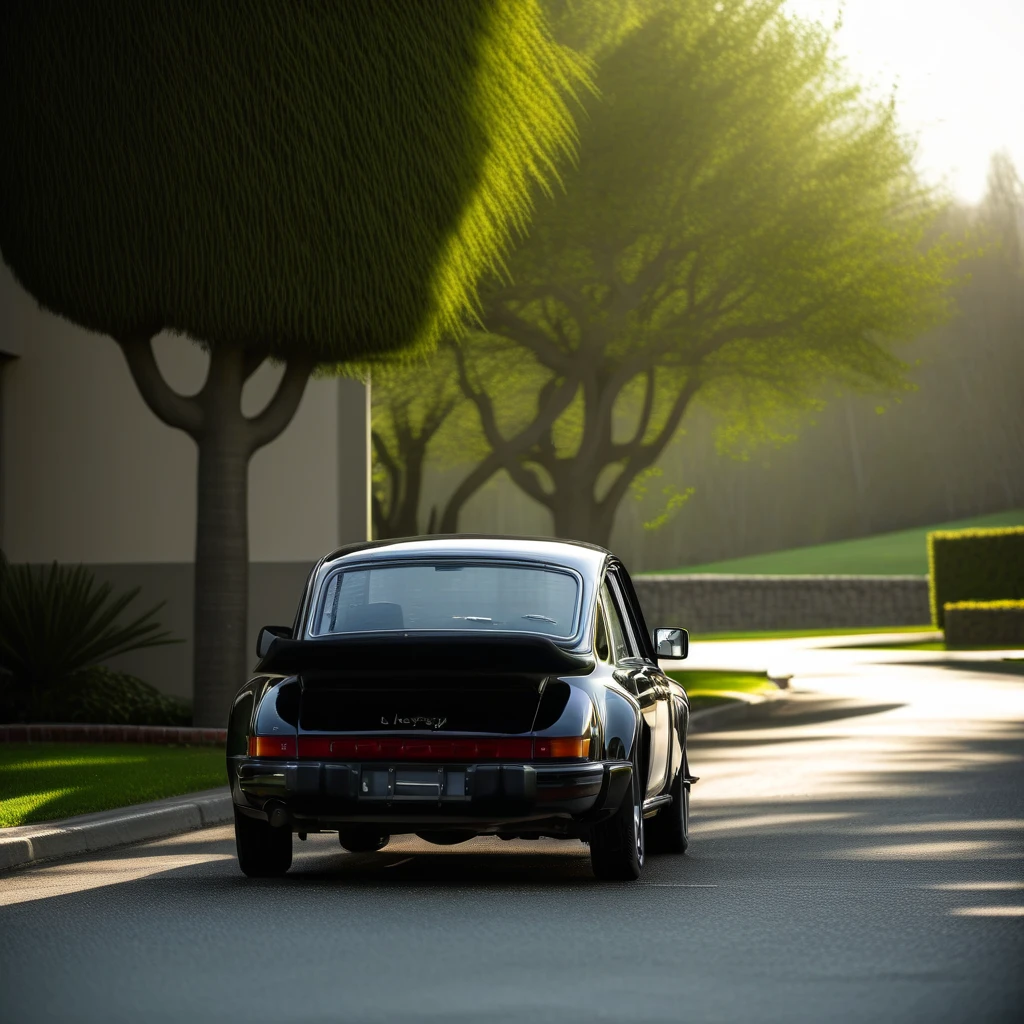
(860, 857)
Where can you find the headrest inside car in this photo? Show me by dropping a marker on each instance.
(382, 615)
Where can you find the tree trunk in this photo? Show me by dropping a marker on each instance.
(221, 661)
(577, 516)
(404, 520)
(226, 440)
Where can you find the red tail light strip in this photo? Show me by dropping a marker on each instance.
(272, 746)
(397, 748)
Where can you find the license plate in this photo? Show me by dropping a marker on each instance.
(424, 785)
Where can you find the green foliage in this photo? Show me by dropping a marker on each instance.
(744, 229)
(974, 565)
(326, 179)
(983, 606)
(672, 499)
(971, 623)
(58, 621)
(98, 695)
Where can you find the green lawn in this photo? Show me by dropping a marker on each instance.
(885, 554)
(43, 781)
(707, 688)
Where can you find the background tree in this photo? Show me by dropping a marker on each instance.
(744, 226)
(307, 183)
(1002, 213)
(413, 407)
(422, 418)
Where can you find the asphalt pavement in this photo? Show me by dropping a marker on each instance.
(856, 856)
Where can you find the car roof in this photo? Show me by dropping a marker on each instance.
(588, 559)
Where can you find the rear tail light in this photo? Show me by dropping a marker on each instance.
(385, 748)
(562, 746)
(397, 748)
(272, 746)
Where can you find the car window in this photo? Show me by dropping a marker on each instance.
(637, 627)
(601, 646)
(618, 634)
(448, 594)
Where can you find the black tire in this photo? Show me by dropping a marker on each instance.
(358, 839)
(669, 831)
(263, 851)
(617, 845)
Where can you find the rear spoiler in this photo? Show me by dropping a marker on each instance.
(447, 652)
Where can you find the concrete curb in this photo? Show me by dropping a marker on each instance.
(715, 719)
(25, 845)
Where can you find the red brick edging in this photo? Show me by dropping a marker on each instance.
(45, 733)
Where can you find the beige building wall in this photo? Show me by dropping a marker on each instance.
(89, 475)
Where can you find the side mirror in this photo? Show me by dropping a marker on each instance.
(268, 634)
(671, 643)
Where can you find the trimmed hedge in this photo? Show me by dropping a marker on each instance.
(96, 695)
(974, 565)
(984, 622)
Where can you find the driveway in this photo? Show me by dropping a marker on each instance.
(856, 856)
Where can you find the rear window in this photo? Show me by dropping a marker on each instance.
(449, 595)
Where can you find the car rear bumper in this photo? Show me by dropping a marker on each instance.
(322, 793)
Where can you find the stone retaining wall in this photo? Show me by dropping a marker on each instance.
(164, 734)
(724, 603)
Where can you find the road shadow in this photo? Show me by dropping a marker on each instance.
(1003, 666)
(794, 711)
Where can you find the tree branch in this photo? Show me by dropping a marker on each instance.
(647, 408)
(528, 482)
(380, 521)
(553, 400)
(280, 410)
(638, 456)
(176, 410)
(253, 360)
(470, 484)
(530, 337)
(393, 470)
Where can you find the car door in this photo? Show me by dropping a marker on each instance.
(632, 672)
(649, 678)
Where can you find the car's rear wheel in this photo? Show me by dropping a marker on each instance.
(358, 839)
(617, 845)
(263, 851)
(669, 832)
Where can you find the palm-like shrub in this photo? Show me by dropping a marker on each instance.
(57, 622)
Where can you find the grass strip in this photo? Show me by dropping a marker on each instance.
(792, 634)
(46, 781)
(709, 688)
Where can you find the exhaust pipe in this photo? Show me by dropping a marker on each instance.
(277, 814)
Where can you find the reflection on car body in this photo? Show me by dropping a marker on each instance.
(461, 686)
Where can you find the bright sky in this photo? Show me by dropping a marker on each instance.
(959, 70)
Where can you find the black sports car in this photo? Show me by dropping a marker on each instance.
(453, 687)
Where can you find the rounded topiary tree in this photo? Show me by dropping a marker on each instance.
(304, 182)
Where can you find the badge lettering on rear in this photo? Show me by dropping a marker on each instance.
(415, 722)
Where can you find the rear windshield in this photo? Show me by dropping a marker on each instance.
(449, 595)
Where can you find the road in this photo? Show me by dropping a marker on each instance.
(857, 856)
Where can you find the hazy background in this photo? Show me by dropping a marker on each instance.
(865, 464)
